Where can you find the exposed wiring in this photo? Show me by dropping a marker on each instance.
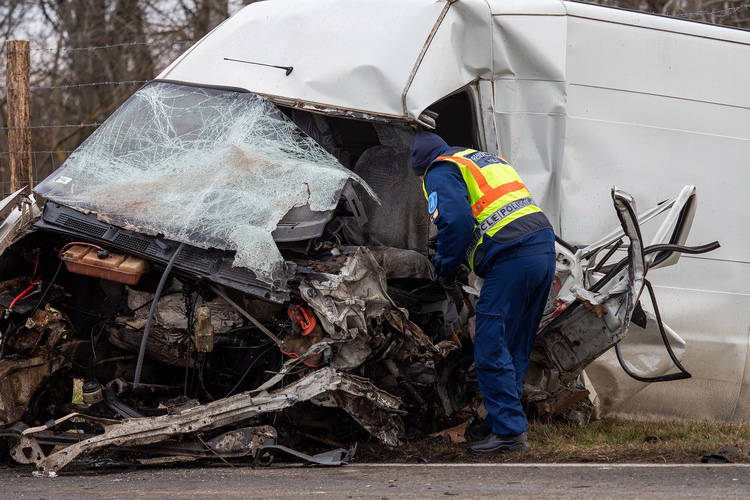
(81, 311)
(151, 312)
(32, 284)
(271, 346)
(95, 339)
(609, 254)
(14, 329)
(79, 365)
(49, 287)
(683, 374)
(214, 451)
(23, 294)
(36, 261)
(615, 270)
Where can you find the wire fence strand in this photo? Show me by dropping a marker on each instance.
(63, 125)
(42, 162)
(102, 47)
(74, 86)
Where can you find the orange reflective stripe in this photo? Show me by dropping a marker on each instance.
(475, 172)
(490, 195)
(494, 194)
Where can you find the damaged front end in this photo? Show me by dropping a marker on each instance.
(219, 277)
(223, 372)
(231, 314)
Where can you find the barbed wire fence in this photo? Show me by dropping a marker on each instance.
(53, 159)
(46, 161)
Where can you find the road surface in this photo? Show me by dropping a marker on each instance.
(387, 481)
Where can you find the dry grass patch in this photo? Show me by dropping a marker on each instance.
(616, 440)
(606, 441)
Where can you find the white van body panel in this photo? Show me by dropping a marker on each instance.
(355, 56)
(579, 98)
(649, 104)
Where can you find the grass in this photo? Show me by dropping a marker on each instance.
(609, 440)
(617, 440)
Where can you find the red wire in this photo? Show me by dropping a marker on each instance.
(32, 283)
(36, 279)
(77, 243)
(21, 295)
(36, 261)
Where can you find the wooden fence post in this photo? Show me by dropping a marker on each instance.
(19, 115)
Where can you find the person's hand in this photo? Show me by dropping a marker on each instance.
(453, 292)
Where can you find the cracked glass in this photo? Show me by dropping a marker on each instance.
(211, 168)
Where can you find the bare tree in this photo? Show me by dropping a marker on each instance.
(88, 49)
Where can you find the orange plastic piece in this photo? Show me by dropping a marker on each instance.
(303, 316)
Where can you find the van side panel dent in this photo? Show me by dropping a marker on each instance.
(458, 54)
(530, 101)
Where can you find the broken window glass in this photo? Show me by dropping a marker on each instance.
(211, 168)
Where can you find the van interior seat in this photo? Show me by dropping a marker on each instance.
(400, 219)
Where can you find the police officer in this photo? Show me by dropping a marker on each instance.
(486, 216)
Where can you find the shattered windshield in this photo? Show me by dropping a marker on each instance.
(211, 168)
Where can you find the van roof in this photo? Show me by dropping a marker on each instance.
(391, 58)
(355, 55)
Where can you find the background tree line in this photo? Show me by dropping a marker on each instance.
(75, 81)
(89, 56)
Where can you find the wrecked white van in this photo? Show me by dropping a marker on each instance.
(238, 259)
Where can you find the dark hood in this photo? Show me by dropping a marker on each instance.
(424, 148)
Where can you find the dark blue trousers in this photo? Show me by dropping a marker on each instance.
(509, 310)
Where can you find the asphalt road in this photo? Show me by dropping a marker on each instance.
(388, 481)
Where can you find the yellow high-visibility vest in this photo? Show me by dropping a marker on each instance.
(496, 193)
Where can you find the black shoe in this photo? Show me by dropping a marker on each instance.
(477, 433)
(500, 444)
